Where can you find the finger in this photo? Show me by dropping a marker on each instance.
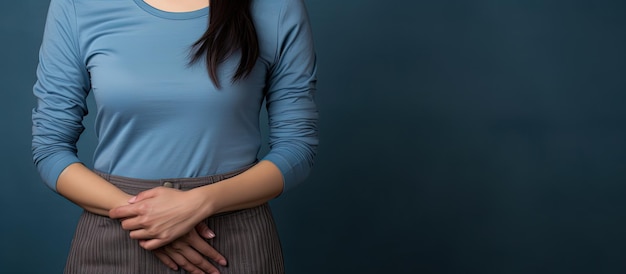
(206, 249)
(193, 257)
(150, 193)
(132, 224)
(149, 243)
(182, 261)
(205, 231)
(126, 211)
(166, 259)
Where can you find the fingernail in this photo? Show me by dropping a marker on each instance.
(223, 262)
(132, 200)
(210, 235)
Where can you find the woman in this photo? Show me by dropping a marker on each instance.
(177, 125)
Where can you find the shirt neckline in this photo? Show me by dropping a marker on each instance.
(170, 14)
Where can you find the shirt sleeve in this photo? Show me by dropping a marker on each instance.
(60, 91)
(292, 113)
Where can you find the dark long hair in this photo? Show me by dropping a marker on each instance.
(230, 29)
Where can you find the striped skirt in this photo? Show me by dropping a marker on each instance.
(247, 238)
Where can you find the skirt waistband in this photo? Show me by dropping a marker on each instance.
(134, 185)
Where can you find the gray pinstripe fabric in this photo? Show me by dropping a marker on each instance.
(247, 238)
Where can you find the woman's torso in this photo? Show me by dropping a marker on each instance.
(157, 115)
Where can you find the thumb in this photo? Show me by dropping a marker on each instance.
(204, 231)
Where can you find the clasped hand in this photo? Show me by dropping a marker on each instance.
(163, 220)
(191, 252)
(160, 215)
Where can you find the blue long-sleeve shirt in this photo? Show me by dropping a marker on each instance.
(159, 117)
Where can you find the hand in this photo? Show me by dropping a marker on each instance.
(160, 215)
(189, 252)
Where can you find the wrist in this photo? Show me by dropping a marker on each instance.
(208, 198)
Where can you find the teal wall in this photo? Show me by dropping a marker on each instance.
(482, 136)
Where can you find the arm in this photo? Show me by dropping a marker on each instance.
(90, 191)
(292, 120)
(293, 142)
(61, 89)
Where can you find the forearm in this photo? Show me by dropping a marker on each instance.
(254, 187)
(88, 190)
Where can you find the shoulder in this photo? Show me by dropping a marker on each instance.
(61, 5)
(61, 16)
(73, 3)
(277, 7)
(272, 15)
(81, 7)
(264, 10)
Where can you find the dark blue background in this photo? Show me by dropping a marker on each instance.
(482, 136)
